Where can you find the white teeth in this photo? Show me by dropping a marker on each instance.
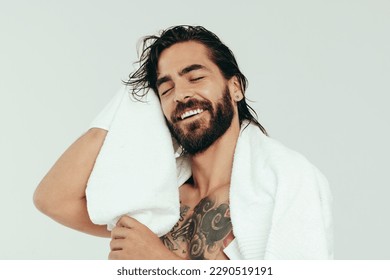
(191, 113)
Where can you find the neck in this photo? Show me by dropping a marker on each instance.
(212, 168)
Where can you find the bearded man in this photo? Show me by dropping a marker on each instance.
(282, 203)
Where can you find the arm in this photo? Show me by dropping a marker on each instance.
(61, 193)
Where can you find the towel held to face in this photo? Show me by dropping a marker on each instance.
(135, 171)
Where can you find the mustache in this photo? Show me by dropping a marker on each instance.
(191, 104)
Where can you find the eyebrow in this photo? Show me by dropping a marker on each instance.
(162, 80)
(184, 71)
(192, 67)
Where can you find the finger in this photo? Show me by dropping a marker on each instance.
(115, 255)
(129, 222)
(116, 244)
(120, 232)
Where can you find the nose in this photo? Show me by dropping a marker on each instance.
(183, 92)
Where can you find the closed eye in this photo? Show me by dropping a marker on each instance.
(196, 79)
(164, 92)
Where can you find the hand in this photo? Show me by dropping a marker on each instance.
(131, 240)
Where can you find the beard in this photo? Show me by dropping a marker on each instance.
(198, 135)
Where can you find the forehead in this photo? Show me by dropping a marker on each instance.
(180, 55)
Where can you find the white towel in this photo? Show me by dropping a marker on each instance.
(135, 171)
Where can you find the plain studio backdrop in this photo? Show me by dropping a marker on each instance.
(318, 73)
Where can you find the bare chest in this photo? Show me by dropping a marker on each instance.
(202, 232)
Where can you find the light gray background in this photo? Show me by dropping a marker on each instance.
(318, 70)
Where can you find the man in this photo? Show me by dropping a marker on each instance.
(282, 204)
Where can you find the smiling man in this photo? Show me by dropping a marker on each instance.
(281, 201)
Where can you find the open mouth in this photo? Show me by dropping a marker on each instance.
(190, 113)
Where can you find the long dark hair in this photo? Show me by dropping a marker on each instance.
(145, 77)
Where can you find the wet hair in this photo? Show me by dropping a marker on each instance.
(152, 46)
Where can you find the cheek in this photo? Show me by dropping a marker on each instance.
(213, 89)
(208, 87)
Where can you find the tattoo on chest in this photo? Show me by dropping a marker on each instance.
(203, 232)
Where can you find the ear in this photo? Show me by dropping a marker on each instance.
(235, 89)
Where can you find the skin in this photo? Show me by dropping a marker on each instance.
(61, 193)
